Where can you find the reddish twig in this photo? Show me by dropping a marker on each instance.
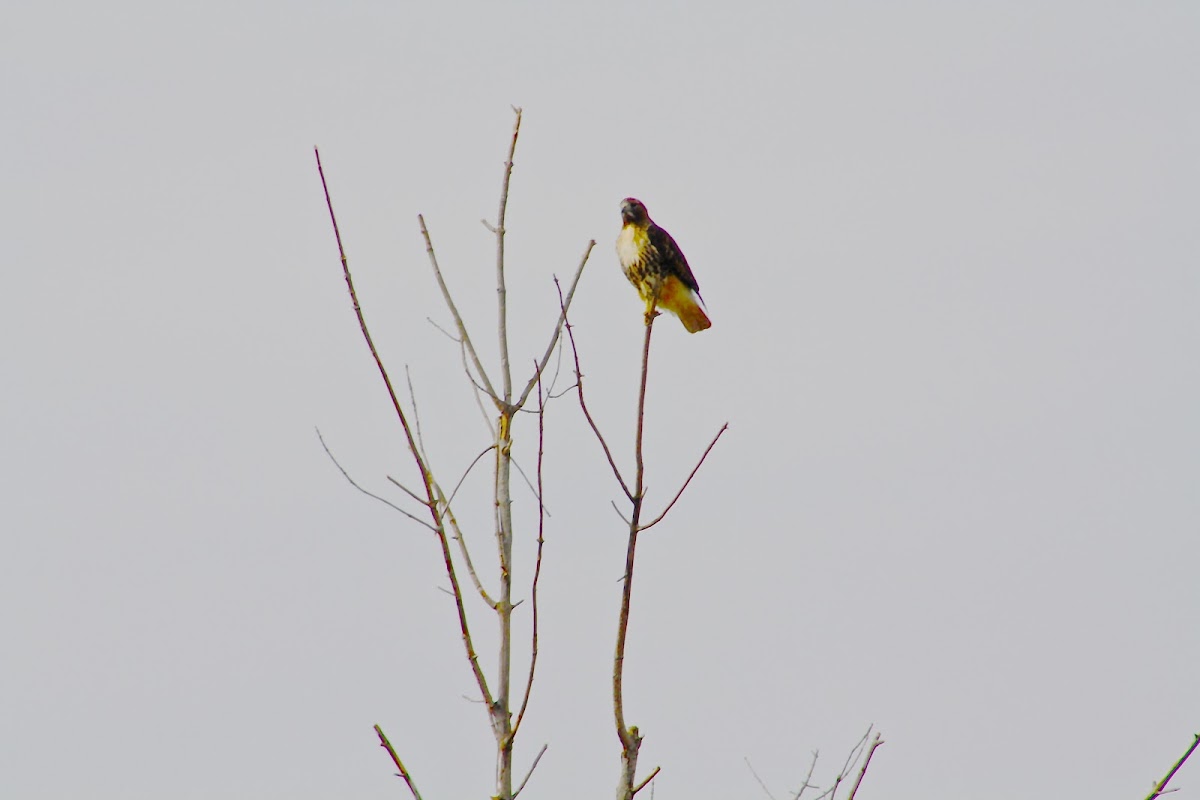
(537, 570)
(695, 469)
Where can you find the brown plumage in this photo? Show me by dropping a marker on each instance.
(655, 265)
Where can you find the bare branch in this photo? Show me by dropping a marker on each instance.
(385, 501)
(475, 387)
(757, 778)
(851, 760)
(458, 321)
(866, 763)
(471, 466)
(426, 476)
(532, 767)
(650, 777)
(695, 469)
(808, 778)
(529, 483)
(619, 514)
(412, 399)
(385, 744)
(462, 547)
(564, 305)
(404, 488)
(1160, 788)
(501, 291)
(583, 403)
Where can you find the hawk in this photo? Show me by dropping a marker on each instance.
(655, 266)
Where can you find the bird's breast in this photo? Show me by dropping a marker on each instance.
(630, 244)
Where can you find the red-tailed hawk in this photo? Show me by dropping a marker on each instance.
(656, 267)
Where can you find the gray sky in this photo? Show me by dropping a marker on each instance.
(950, 252)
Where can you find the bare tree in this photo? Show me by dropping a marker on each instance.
(504, 714)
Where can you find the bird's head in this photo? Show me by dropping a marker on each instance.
(633, 211)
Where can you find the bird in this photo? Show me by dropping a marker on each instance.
(655, 266)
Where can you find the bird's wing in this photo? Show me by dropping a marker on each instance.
(672, 256)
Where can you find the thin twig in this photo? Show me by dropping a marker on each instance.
(405, 489)
(583, 403)
(866, 763)
(564, 306)
(695, 469)
(851, 760)
(1161, 787)
(757, 778)
(529, 484)
(476, 389)
(370, 494)
(458, 321)
(532, 767)
(412, 399)
(470, 466)
(386, 745)
(806, 785)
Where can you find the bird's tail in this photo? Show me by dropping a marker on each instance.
(693, 318)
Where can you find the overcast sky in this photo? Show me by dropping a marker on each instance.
(950, 252)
